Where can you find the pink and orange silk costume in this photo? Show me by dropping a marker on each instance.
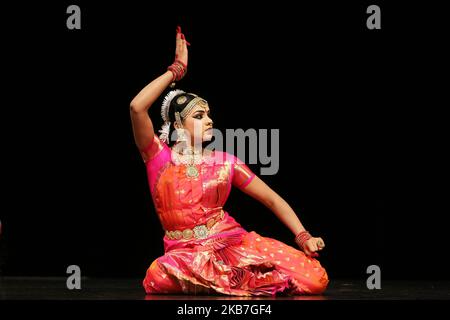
(229, 260)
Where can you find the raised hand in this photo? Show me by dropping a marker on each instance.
(179, 66)
(181, 51)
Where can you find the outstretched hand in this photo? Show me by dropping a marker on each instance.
(181, 51)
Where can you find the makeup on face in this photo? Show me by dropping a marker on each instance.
(199, 113)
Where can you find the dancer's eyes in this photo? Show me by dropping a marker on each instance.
(200, 114)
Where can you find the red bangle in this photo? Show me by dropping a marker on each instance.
(180, 62)
(302, 237)
(174, 76)
(178, 69)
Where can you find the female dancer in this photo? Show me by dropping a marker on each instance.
(206, 250)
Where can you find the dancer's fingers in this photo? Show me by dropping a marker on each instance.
(312, 246)
(179, 41)
(184, 40)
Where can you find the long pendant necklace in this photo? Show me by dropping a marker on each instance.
(191, 169)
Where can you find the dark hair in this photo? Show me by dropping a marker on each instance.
(178, 107)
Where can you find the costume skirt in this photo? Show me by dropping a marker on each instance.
(232, 261)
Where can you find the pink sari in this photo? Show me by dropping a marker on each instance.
(229, 260)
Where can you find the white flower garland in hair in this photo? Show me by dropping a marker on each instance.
(165, 129)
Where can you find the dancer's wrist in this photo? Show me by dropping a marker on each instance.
(302, 237)
(178, 69)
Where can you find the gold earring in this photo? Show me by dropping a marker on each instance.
(181, 135)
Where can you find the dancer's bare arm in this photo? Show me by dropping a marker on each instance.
(260, 191)
(142, 125)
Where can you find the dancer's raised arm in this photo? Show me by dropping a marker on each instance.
(142, 125)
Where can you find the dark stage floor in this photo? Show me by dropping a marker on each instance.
(20, 288)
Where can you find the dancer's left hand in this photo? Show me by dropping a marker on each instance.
(313, 245)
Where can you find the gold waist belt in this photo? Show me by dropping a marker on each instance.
(200, 231)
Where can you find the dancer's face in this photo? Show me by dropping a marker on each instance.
(198, 123)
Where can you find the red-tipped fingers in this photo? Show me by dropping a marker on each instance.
(184, 38)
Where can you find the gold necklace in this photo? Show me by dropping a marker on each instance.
(191, 169)
(189, 158)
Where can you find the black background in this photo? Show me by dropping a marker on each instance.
(362, 107)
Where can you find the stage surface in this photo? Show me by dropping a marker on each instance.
(39, 288)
